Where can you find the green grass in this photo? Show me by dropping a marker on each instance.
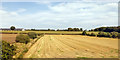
(21, 55)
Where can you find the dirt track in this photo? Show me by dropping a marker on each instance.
(73, 46)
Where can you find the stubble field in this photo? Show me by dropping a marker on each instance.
(73, 46)
(9, 37)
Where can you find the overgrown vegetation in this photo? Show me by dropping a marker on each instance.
(33, 42)
(7, 50)
(32, 35)
(22, 38)
(110, 35)
(92, 34)
(21, 55)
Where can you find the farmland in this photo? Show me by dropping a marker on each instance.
(64, 44)
(73, 46)
(9, 37)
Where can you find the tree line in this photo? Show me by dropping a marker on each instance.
(107, 29)
(68, 29)
(103, 29)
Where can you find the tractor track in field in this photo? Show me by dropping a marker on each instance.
(73, 46)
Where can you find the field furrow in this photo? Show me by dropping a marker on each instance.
(73, 46)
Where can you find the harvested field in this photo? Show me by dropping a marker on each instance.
(73, 46)
(9, 37)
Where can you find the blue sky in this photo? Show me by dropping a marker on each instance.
(56, 15)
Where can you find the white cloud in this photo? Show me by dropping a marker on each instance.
(21, 10)
(63, 15)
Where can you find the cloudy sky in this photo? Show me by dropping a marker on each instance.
(56, 15)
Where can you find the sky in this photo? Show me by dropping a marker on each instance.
(57, 15)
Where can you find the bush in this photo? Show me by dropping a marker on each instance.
(114, 34)
(7, 50)
(88, 34)
(23, 38)
(84, 33)
(32, 35)
(109, 35)
(101, 34)
(93, 34)
(118, 35)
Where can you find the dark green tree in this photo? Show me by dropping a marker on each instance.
(93, 34)
(70, 29)
(48, 29)
(76, 29)
(12, 27)
(81, 29)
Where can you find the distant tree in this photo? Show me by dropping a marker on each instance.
(108, 29)
(99, 29)
(118, 30)
(96, 30)
(81, 29)
(70, 29)
(12, 27)
(48, 29)
(33, 29)
(76, 29)
(58, 30)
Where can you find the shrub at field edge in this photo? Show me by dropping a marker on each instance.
(32, 35)
(22, 38)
